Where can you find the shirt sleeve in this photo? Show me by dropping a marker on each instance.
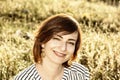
(81, 70)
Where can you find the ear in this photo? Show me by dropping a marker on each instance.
(43, 45)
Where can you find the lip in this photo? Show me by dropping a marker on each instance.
(59, 54)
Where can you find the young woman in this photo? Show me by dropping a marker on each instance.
(55, 49)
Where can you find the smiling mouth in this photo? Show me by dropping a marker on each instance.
(59, 54)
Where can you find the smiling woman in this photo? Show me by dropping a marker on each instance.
(55, 49)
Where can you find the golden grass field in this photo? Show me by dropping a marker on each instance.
(99, 22)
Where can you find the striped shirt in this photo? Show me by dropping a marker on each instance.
(75, 72)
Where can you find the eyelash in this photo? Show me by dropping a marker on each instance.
(67, 42)
(71, 43)
(56, 38)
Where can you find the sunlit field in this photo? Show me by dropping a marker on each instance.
(99, 22)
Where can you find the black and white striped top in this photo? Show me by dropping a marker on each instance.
(75, 72)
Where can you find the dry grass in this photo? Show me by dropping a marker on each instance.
(98, 21)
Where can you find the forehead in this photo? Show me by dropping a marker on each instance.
(73, 35)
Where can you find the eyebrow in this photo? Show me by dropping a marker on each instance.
(68, 39)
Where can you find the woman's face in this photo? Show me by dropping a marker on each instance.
(60, 48)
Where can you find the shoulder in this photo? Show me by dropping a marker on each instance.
(27, 73)
(80, 70)
(79, 67)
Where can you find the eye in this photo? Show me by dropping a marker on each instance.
(71, 43)
(55, 38)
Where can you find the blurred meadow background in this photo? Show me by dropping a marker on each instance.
(99, 21)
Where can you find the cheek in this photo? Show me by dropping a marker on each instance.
(49, 45)
(71, 49)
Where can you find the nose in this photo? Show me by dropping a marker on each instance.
(63, 46)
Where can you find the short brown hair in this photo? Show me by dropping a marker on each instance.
(51, 26)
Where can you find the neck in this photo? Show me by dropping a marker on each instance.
(50, 70)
